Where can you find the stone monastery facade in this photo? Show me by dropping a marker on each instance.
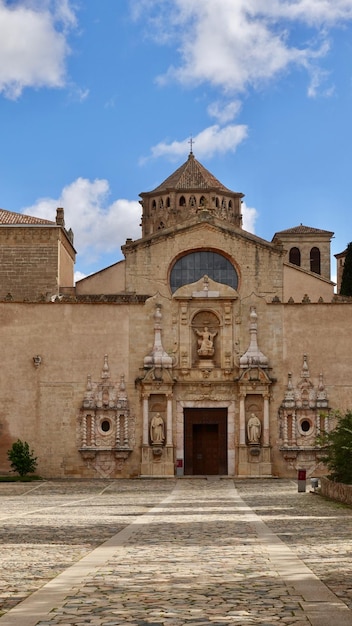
(207, 350)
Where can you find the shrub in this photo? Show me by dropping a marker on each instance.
(21, 458)
(338, 449)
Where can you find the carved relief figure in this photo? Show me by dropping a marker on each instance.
(157, 434)
(205, 342)
(254, 429)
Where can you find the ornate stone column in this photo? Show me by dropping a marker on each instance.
(145, 421)
(294, 433)
(285, 433)
(266, 421)
(242, 421)
(169, 421)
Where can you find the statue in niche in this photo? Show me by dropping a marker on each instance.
(205, 342)
(254, 429)
(157, 434)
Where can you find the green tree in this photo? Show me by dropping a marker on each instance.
(338, 449)
(346, 281)
(21, 458)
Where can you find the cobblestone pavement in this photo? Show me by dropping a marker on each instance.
(198, 557)
(318, 530)
(47, 527)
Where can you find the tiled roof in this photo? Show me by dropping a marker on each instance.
(8, 217)
(304, 230)
(191, 175)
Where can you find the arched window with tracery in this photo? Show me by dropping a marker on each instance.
(295, 256)
(193, 266)
(315, 260)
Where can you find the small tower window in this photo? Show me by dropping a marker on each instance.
(153, 204)
(315, 260)
(295, 256)
(202, 201)
(192, 201)
(168, 202)
(182, 201)
(161, 203)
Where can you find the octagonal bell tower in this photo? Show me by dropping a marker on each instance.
(190, 189)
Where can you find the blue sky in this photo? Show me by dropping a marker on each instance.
(98, 100)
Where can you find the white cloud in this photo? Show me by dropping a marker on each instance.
(243, 44)
(224, 113)
(98, 226)
(33, 44)
(79, 276)
(210, 141)
(249, 216)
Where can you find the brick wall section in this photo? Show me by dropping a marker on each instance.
(28, 261)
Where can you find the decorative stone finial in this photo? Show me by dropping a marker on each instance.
(305, 368)
(105, 371)
(253, 356)
(158, 357)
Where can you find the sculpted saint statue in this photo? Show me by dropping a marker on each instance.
(254, 429)
(205, 342)
(157, 434)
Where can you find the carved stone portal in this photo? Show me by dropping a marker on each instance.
(303, 415)
(105, 427)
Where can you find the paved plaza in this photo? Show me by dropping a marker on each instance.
(173, 552)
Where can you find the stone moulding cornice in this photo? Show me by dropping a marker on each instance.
(212, 222)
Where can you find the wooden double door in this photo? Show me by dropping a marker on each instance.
(205, 441)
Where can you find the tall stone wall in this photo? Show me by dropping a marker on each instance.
(41, 400)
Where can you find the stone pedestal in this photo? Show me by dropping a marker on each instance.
(206, 363)
(254, 461)
(157, 461)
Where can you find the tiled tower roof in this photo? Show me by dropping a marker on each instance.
(304, 230)
(191, 175)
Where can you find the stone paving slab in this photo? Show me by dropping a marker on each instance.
(201, 557)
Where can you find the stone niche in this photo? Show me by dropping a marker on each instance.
(205, 348)
(156, 388)
(254, 383)
(157, 446)
(105, 426)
